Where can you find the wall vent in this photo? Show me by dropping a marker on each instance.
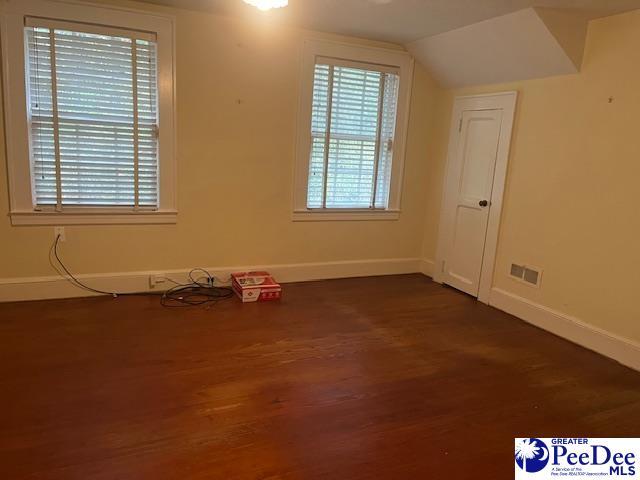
(529, 275)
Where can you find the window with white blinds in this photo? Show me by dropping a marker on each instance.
(93, 117)
(353, 123)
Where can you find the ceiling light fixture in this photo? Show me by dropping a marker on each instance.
(266, 5)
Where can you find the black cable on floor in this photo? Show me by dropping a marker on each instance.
(195, 293)
(190, 294)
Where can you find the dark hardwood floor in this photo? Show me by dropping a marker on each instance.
(372, 378)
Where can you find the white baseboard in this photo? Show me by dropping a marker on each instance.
(618, 348)
(42, 288)
(426, 267)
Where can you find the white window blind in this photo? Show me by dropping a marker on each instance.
(352, 132)
(93, 115)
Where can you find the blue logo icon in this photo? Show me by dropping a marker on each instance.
(532, 455)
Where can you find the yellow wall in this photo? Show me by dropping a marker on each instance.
(237, 91)
(571, 202)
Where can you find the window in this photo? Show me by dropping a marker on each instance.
(93, 149)
(352, 129)
(93, 138)
(350, 149)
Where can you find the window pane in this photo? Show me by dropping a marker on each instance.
(354, 125)
(43, 163)
(96, 129)
(355, 102)
(316, 173)
(387, 135)
(358, 100)
(319, 115)
(147, 121)
(350, 173)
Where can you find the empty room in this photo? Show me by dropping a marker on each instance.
(319, 239)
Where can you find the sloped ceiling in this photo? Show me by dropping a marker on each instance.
(527, 44)
(569, 28)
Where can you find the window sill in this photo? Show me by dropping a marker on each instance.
(93, 218)
(349, 215)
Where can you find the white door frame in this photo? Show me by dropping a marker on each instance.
(507, 102)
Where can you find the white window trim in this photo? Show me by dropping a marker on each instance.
(22, 209)
(399, 59)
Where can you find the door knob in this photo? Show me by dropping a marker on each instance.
(483, 203)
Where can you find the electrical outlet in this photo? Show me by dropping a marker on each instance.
(155, 280)
(59, 232)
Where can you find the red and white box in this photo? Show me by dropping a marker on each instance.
(255, 286)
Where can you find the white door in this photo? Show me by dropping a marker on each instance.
(469, 197)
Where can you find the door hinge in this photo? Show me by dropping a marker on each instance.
(442, 267)
(460, 125)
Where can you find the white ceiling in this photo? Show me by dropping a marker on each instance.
(478, 55)
(399, 21)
